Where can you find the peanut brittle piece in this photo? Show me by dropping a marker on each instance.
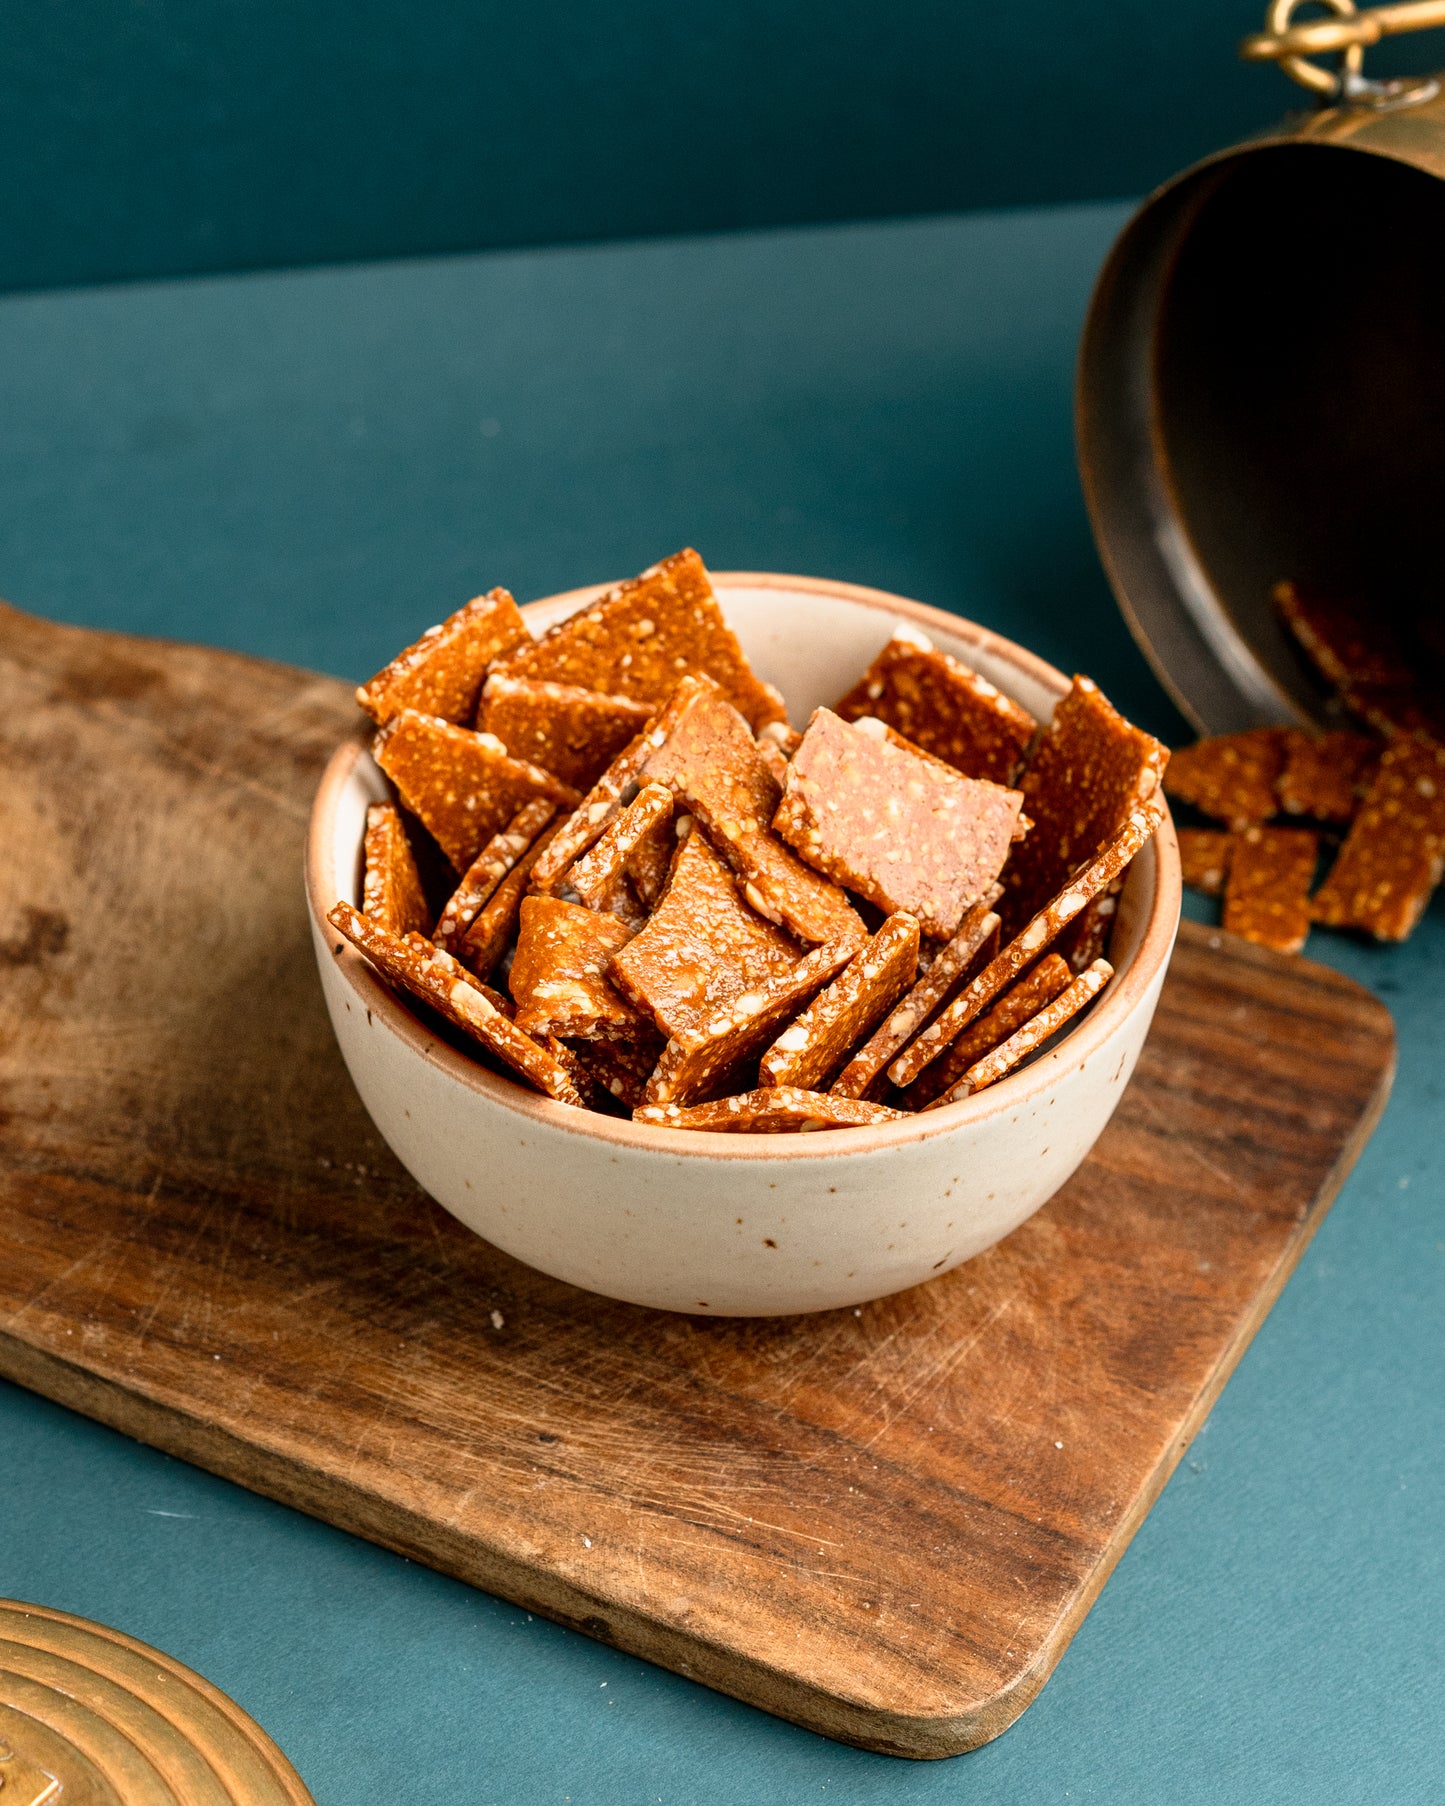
(495, 923)
(1020, 1002)
(706, 1059)
(1355, 650)
(620, 1068)
(1088, 772)
(1267, 895)
(442, 673)
(1025, 947)
(437, 979)
(1204, 855)
(424, 947)
(702, 945)
(1325, 775)
(939, 704)
(488, 869)
(596, 874)
(588, 821)
(1233, 777)
(810, 1050)
(948, 966)
(461, 784)
(1028, 1039)
(902, 829)
(640, 637)
(1394, 853)
(775, 1110)
(559, 973)
(572, 732)
(391, 890)
(701, 748)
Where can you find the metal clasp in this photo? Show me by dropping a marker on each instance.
(1348, 35)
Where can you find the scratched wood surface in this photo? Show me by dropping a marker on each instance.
(883, 1524)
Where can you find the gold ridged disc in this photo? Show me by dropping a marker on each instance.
(89, 1717)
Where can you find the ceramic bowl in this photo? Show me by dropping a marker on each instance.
(737, 1225)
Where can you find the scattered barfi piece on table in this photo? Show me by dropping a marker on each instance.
(1204, 855)
(706, 1059)
(463, 786)
(1326, 775)
(572, 732)
(1017, 1005)
(559, 973)
(901, 829)
(488, 869)
(1394, 853)
(442, 673)
(948, 966)
(639, 638)
(439, 981)
(1026, 946)
(702, 945)
(391, 888)
(775, 1110)
(810, 1050)
(1233, 777)
(939, 704)
(1267, 893)
(1032, 1036)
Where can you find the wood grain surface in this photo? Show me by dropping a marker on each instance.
(883, 1524)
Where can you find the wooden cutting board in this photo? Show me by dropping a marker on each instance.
(884, 1524)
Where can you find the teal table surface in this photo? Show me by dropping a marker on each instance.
(315, 465)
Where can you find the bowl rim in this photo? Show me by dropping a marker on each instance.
(1016, 1090)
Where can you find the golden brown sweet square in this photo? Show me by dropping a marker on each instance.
(1326, 775)
(1025, 948)
(948, 966)
(1089, 771)
(706, 1059)
(1394, 853)
(1204, 855)
(588, 821)
(462, 785)
(939, 704)
(1233, 777)
(1017, 1005)
(495, 923)
(439, 981)
(1031, 1036)
(775, 1110)
(596, 875)
(1267, 894)
(572, 732)
(391, 890)
(639, 638)
(902, 829)
(442, 673)
(810, 1050)
(488, 870)
(700, 747)
(559, 973)
(702, 946)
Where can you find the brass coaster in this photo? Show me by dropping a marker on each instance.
(89, 1717)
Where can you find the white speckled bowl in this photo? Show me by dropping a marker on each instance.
(737, 1225)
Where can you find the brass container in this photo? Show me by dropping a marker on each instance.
(1261, 395)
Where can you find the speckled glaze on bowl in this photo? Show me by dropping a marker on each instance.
(736, 1225)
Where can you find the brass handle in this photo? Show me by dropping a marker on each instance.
(1349, 32)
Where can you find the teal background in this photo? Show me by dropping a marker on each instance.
(158, 137)
(313, 464)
